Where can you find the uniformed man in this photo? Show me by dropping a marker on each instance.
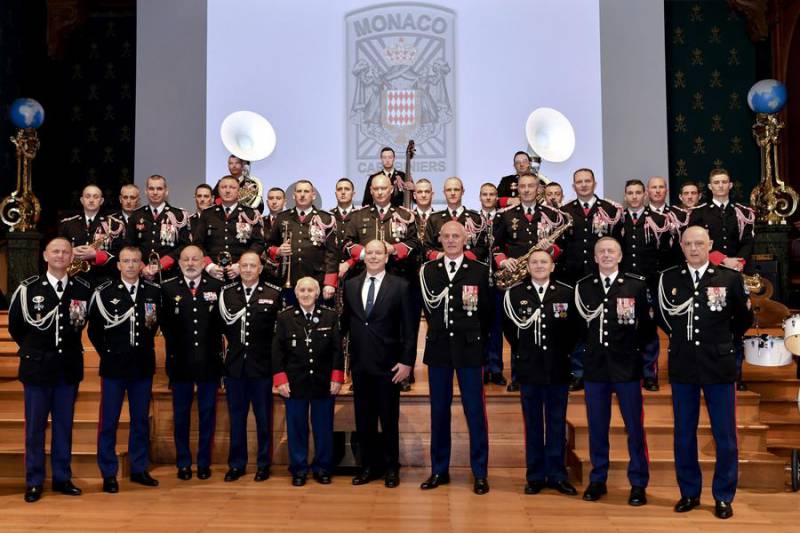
(124, 316)
(508, 189)
(276, 201)
(227, 230)
(477, 245)
(249, 308)
(519, 228)
(704, 309)
(46, 318)
(592, 218)
(394, 225)
(129, 202)
(618, 322)
(731, 230)
(342, 212)
(203, 199)
(493, 373)
(397, 180)
(646, 241)
(192, 328)
(542, 316)
(458, 309)
(158, 229)
(553, 195)
(423, 200)
(689, 195)
(240, 169)
(307, 237)
(676, 216)
(95, 238)
(308, 372)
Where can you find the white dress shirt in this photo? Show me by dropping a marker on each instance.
(458, 260)
(612, 277)
(365, 289)
(128, 288)
(701, 271)
(54, 282)
(541, 293)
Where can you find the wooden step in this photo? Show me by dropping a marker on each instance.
(780, 413)
(84, 430)
(84, 461)
(786, 391)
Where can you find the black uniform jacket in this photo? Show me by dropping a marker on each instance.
(165, 235)
(720, 315)
(107, 227)
(627, 324)
(52, 349)
(399, 229)
(514, 235)
(239, 232)
(477, 245)
(604, 219)
(192, 328)
(307, 354)
(122, 355)
(388, 335)
(249, 355)
(397, 193)
(457, 342)
(542, 350)
(647, 245)
(731, 229)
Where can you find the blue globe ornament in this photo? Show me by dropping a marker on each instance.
(767, 96)
(26, 113)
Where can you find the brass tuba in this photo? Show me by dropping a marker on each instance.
(505, 278)
(250, 137)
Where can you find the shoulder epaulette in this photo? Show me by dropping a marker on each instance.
(151, 283)
(104, 285)
(229, 285)
(673, 267)
(272, 285)
(73, 217)
(327, 308)
(729, 269)
(570, 287)
(612, 202)
(361, 208)
(587, 276)
(29, 280)
(164, 282)
(82, 282)
(286, 309)
(479, 262)
(699, 206)
(635, 276)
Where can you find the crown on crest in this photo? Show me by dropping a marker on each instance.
(400, 54)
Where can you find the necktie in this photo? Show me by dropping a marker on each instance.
(608, 282)
(155, 213)
(59, 287)
(585, 208)
(454, 214)
(723, 206)
(308, 317)
(452, 267)
(529, 214)
(541, 290)
(380, 212)
(247, 292)
(227, 212)
(635, 217)
(370, 296)
(696, 277)
(191, 288)
(133, 290)
(89, 222)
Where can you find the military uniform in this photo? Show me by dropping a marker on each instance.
(166, 234)
(235, 232)
(507, 189)
(307, 354)
(476, 247)
(122, 328)
(399, 229)
(459, 314)
(494, 344)
(47, 326)
(544, 322)
(516, 231)
(249, 314)
(602, 218)
(105, 230)
(397, 192)
(314, 251)
(192, 329)
(618, 323)
(704, 319)
(678, 218)
(245, 183)
(271, 272)
(731, 230)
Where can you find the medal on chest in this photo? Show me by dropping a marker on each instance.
(469, 298)
(717, 298)
(77, 313)
(149, 314)
(167, 234)
(243, 231)
(560, 310)
(626, 310)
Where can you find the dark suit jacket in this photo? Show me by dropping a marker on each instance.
(388, 335)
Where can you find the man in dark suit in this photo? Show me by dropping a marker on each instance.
(617, 323)
(192, 328)
(458, 308)
(122, 326)
(46, 318)
(379, 318)
(396, 179)
(704, 309)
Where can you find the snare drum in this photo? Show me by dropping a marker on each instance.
(791, 334)
(766, 350)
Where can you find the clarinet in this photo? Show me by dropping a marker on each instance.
(490, 241)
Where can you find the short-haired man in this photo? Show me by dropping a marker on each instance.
(477, 230)
(508, 189)
(553, 195)
(689, 195)
(46, 319)
(128, 201)
(677, 217)
(344, 208)
(240, 169)
(203, 199)
(123, 320)
(397, 180)
(493, 373)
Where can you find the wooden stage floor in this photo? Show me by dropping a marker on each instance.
(275, 505)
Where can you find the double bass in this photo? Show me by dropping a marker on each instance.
(410, 151)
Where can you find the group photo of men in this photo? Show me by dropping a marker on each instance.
(256, 299)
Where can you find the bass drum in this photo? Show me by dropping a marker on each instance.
(766, 350)
(791, 334)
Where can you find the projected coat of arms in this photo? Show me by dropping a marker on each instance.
(400, 77)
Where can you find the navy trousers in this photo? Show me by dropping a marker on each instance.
(576, 359)
(493, 352)
(113, 393)
(598, 411)
(57, 402)
(650, 355)
(297, 411)
(182, 396)
(721, 405)
(242, 394)
(470, 382)
(544, 411)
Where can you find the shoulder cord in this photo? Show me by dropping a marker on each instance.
(433, 301)
(686, 308)
(589, 314)
(113, 321)
(231, 318)
(534, 320)
(42, 324)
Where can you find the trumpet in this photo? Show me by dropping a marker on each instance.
(154, 260)
(82, 265)
(286, 261)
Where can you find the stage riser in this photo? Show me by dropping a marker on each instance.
(658, 408)
(84, 465)
(749, 439)
(84, 433)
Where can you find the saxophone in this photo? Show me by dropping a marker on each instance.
(82, 265)
(505, 278)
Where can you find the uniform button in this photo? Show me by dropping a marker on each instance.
(451, 333)
(194, 309)
(195, 332)
(137, 344)
(697, 305)
(543, 348)
(247, 344)
(450, 284)
(61, 315)
(451, 321)
(247, 323)
(310, 350)
(634, 263)
(605, 299)
(60, 327)
(366, 323)
(633, 255)
(60, 350)
(195, 321)
(451, 309)
(697, 343)
(247, 313)
(544, 326)
(605, 344)
(696, 293)
(310, 371)
(605, 333)
(197, 344)
(544, 336)
(697, 331)
(605, 321)
(246, 333)
(310, 360)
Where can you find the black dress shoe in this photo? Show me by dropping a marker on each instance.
(33, 493)
(481, 486)
(513, 387)
(144, 478)
(66, 487)
(233, 474)
(434, 481)
(723, 510)
(391, 479)
(322, 477)
(185, 473)
(741, 386)
(638, 497)
(364, 477)
(534, 487)
(110, 485)
(564, 487)
(203, 472)
(262, 474)
(576, 384)
(299, 480)
(594, 491)
(405, 386)
(686, 504)
(498, 379)
(650, 384)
